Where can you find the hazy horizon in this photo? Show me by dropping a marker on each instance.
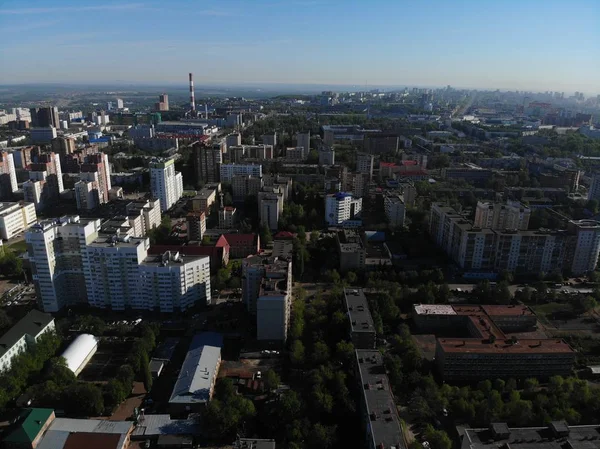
(379, 44)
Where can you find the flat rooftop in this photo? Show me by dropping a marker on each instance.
(434, 309)
(573, 437)
(478, 346)
(357, 307)
(381, 409)
(104, 241)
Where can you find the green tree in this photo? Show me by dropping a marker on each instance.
(83, 400)
(322, 436)
(265, 236)
(271, 380)
(114, 393)
(438, 439)
(297, 353)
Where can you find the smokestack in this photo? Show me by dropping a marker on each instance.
(206, 111)
(192, 99)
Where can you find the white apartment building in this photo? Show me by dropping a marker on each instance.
(166, 183)
(23, 336)
(341, 207)
(512, 215)
(228, 171)
(32, 193)
(266, 290)
(73, 262)
(15, 218)
(57, 253)
(86, 194)
(395, 210)
(172, 282)
(227, 216)
(8, 175)
(149, 213)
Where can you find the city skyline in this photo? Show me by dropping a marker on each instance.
(510, 46)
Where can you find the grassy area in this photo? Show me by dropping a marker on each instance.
(18, 247)
(550, 308)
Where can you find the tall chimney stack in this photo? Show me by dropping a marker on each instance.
(192, 99)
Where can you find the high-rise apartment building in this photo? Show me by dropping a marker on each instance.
(44, 117)
(512, 215)
(269, 139)
(269, 207)
(166, 184)
(45, 176)
(228, 171)
(196, 225)
(395, 210)
(267, 292)
(341, 207)
(63, 145)
(303, 140)
(149, 212)
(8, 176)
(227, 217)
(42, 135)
(574, 249)
(57, 253)
(365, 163)
(594, 191)
(97, 169)
(75, 262)
(119, 103)
(282, 183)
(243, 186)
(163, 103)
(238, 153)
(207, 160)
(326, 156)
(233, 139)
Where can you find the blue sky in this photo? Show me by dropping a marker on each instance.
(508, 44)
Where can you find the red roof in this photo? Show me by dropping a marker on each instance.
(283, 235)
(409, 162)
(387, 164)
(92, 440)
(229, 208)
(222, 242)
(240, 239)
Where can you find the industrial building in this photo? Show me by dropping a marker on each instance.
(196, 382)
(80, 352)
(490, 351)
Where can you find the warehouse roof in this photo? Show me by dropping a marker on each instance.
(199, 370)
(152, 425)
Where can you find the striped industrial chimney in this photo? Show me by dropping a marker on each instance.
(192, 99)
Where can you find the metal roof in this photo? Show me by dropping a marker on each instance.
(90, 425)
(151, 425)
(199, 370)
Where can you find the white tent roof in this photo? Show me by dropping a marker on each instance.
(79, 350)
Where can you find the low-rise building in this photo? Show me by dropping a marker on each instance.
(29, 429)
(15, 218)
(556, 435)
(195, 385)
(23, 336)
(362, 329)
(490, 352)
(296, 153)
(242, 245)
(378, 410)
(203, 200)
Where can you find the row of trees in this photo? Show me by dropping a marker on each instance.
(320, 412)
